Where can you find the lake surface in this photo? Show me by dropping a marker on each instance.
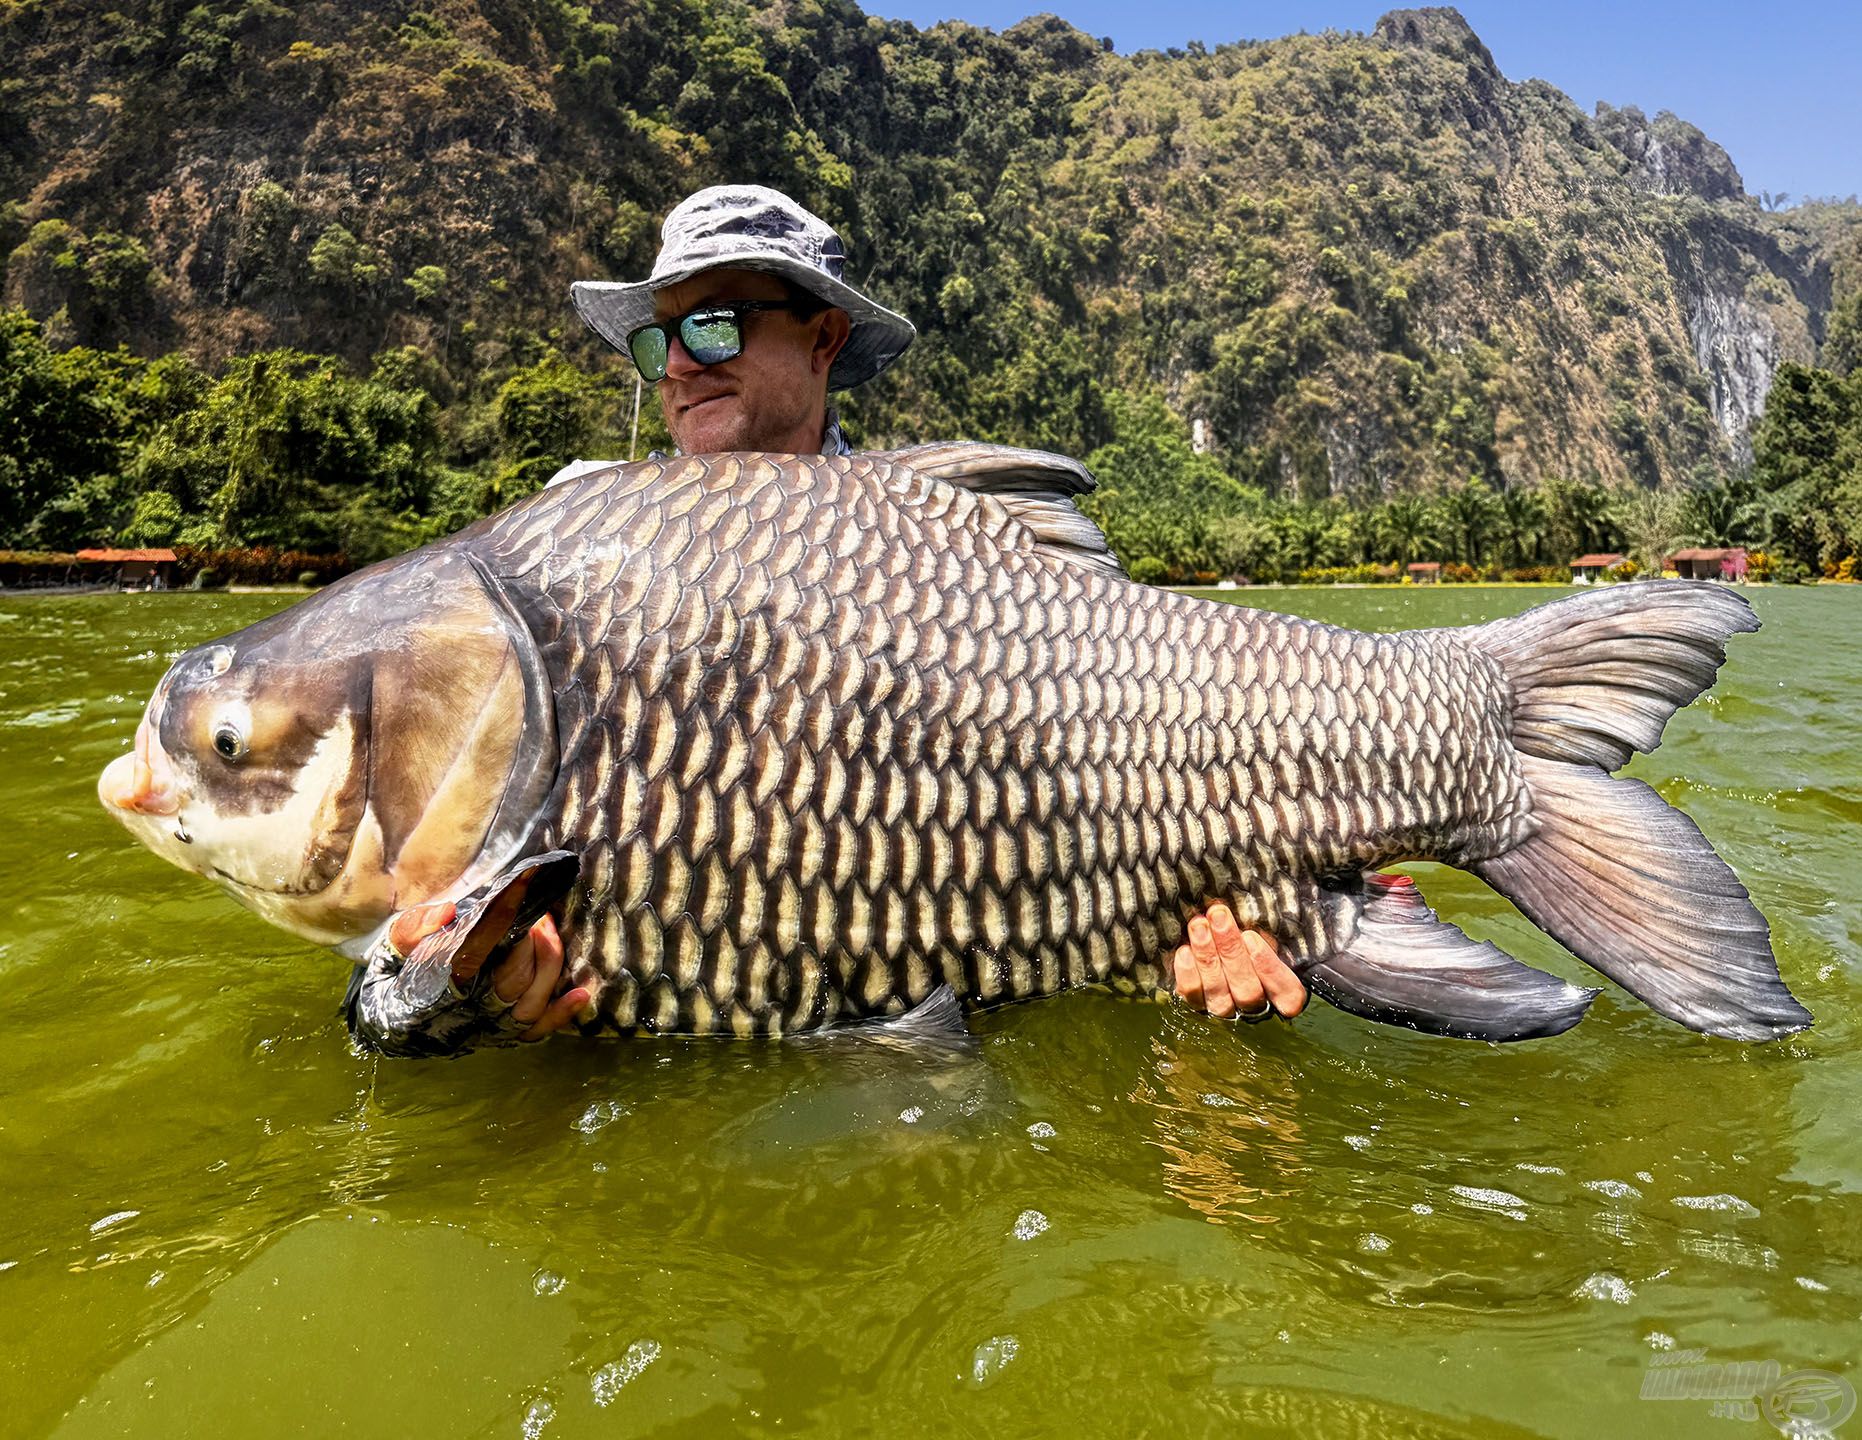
(218, 1220)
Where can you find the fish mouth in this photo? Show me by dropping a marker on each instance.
(143, 782)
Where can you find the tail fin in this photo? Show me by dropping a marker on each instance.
(1625, 881)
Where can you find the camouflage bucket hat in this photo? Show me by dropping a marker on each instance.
(751, 227)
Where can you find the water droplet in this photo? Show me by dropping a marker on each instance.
(1041, 1130)
(1659, 1340)
(1725, 1204)
(1605, 1286)
(1029, 1224)
(1422, 1208)
(537, 1417)
(912, 1114)
(991, 1357)
(1498, 1202)
(606, 1382)
(547, 1282)
(1358, 1142)
(601, 1113)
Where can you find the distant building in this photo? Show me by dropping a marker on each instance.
(133, 569)
(1721, 564)
(1587, 569)
(1425, 572)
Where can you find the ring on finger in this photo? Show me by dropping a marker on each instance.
(1256, 1016)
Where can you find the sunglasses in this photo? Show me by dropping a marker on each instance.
(711, 334)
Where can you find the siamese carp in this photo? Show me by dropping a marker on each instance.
(800, 740)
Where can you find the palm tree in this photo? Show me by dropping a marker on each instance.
(1521, 524)
(1470, 514)
(1407, 527)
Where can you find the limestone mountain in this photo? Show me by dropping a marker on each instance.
(1352, 264)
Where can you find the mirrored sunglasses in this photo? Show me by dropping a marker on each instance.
(711, 335)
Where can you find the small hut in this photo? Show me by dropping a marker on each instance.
(133, 569)
(1709, 564)
(1424, 572)
(1588, 569)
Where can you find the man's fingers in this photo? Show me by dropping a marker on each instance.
(1285, 990)
(1244, 986)
(560, 1015)
(1216, 998)
(1189, 978)
(416, 923)
(545, 955)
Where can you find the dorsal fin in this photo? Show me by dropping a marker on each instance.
(1033, 486)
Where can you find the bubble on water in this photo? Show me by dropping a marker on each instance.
(1533, 1169)
(1659, 1340)
(606, 1383)
(1422, 1208)
(1041, 1130)
(912, 1114)
(1805, 1282)
(1371, 1243)
(537, 1416)
(1615, 1189)
(115, 1217)
(548, 1282)
(1029, 1224)
(6, 1265)
(602, 1113)
(41, 719)
(1358, 1142)
(1497, 1202)
(1730, 1251)
(1605, 1286)
(1724, 1204)
(1645, 1177)
(992, 1357)
(1217, 1102)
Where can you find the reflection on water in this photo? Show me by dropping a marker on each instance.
(1107, 1215)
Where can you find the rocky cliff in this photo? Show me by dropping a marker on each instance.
(1354, 264)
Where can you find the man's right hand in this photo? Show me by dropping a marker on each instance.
(525, 979)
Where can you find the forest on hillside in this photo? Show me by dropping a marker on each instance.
(297, 277)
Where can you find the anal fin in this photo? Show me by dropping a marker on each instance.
(1407, 967)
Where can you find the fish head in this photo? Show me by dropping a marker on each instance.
(376, 746)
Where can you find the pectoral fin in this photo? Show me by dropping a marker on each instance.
(1407, 967)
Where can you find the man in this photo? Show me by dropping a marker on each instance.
(744, 327)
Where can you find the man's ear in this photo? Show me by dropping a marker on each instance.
(830, 339)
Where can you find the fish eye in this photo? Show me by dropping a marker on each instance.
(230, 744)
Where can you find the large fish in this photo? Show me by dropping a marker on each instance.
(822, 734)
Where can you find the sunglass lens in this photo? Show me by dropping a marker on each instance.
(711, 339)
(648, 347)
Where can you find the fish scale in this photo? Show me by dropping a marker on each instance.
(917, 751)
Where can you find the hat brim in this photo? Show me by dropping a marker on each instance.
(614, 310)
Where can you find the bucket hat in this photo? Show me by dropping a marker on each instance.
(751, 227)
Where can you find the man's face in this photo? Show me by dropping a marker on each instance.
(771, 397)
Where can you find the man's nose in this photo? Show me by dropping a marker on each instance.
(679, 362)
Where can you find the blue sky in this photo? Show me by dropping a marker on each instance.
(1778, 84)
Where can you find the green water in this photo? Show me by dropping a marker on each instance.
(216, 1220)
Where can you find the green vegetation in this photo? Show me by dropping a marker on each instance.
(296, 277)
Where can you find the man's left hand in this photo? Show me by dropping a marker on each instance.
(1230, 971)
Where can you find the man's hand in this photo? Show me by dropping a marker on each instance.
(1230, 971)
(525, 979)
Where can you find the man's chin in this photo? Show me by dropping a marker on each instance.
(711, 427)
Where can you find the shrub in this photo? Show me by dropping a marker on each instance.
(1149, 570)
